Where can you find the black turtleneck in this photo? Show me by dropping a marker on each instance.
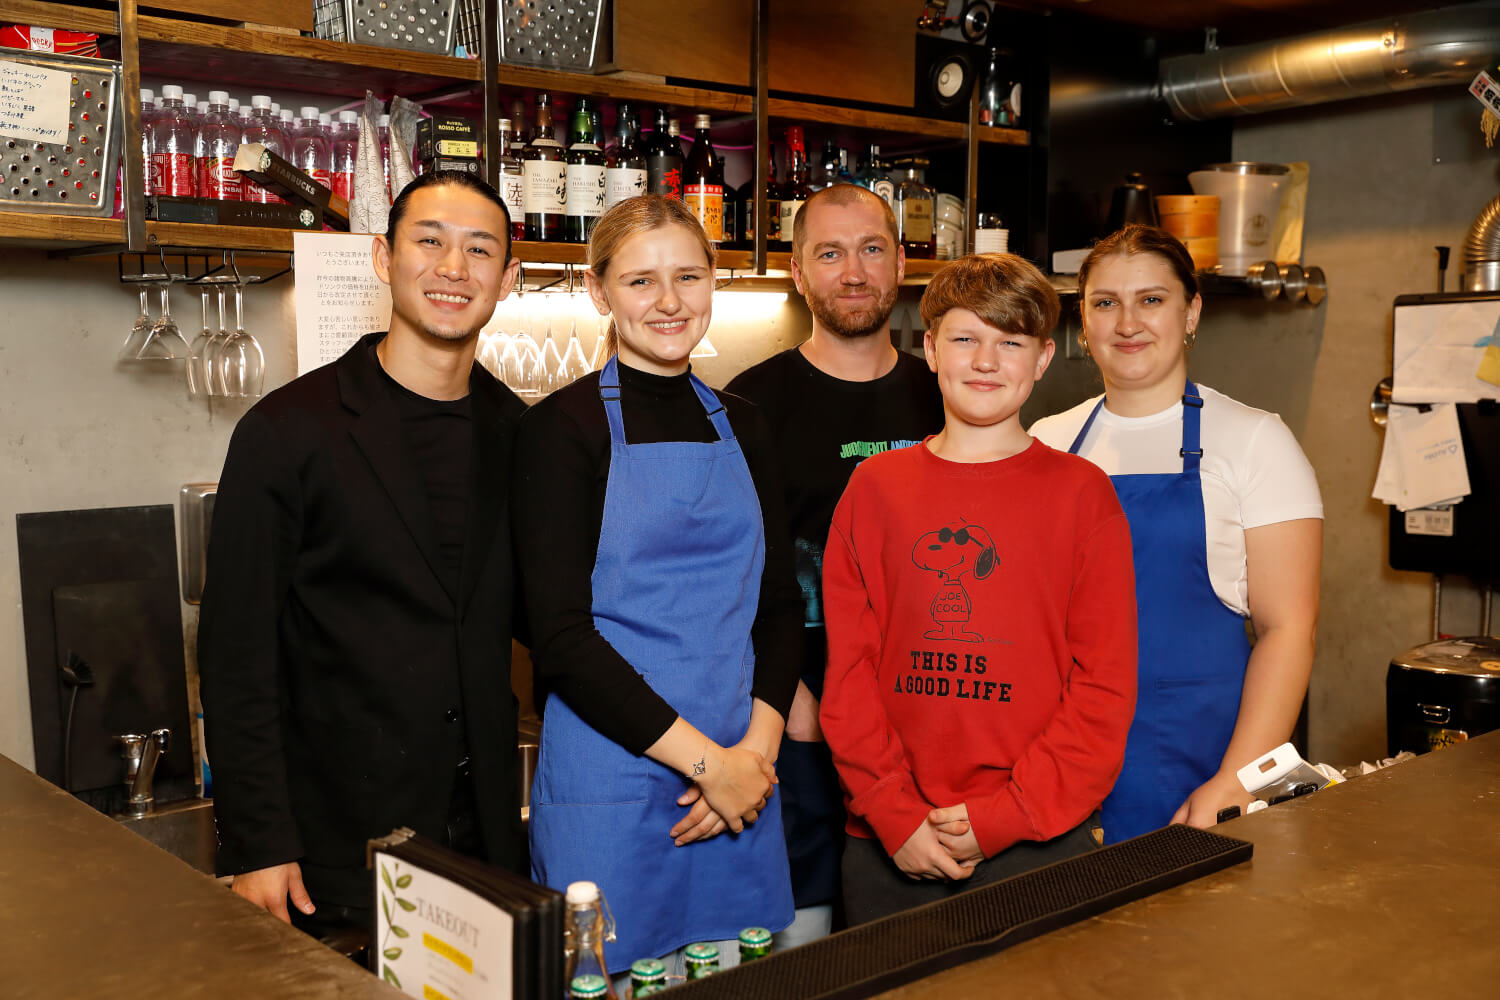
(560, 474)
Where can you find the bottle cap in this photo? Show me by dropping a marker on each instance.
(234, 104)
(325, 120)
(648, 968)
(701, 121)
(756, 937)
(202, 107)
(348, 117)
(147, 96)
(587, 986)
(385, 121)
(582, 892)
(218, 97)
(285, 114)
(190, 100)
(703, 951)
(308, 112)
(260, 102)
(171, 92)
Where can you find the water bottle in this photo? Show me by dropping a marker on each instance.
(172, 163)
(218, 139)
(148, 135)
(266, 130)
(310, 152)
(584, 935)
(384, 128)
(345, 149)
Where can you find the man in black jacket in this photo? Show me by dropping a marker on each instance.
(354, 644)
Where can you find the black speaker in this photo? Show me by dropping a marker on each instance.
(945, 76)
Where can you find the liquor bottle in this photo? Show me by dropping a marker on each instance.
(994, 90)
(518, 123)
(772, 197)
(584, 930)
(173, 138)
(701, 959)
(914, 208)
(795, 191)
(310, 151)
(218, 139)
(625, 164)
(512, 181)
(664, 160)
(647, 974)
(872, 174)
(703, 182)
(266, 130)
(585, 176)
(833, 170)
(345, 150)
(732, 216)
(596, 119)
(546, 172)
(148, 136)
(755, 942)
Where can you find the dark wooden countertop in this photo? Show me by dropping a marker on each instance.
(89, 909)
(1385, 886)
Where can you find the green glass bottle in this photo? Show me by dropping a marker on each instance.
(585, 175)
(647, 975)
(755, 942)
(701, 959)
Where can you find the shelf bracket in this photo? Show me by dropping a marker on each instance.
(760, 63)
(134, 181)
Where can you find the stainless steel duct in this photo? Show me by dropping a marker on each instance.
(1424, 49)
(1482, 251)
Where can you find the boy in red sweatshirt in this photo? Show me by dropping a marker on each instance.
(981, 618)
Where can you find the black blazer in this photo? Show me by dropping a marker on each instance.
(328, 641)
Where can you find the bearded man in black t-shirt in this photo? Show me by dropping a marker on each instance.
(841, 396)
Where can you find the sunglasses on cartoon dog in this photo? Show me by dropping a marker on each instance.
(961, 536)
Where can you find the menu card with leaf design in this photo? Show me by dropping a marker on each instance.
(448, 925)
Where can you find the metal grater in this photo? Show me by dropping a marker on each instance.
(557, 34)
(419, 25)
(76, 177)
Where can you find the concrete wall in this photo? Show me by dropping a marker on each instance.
(1378, 202)
(79, 430)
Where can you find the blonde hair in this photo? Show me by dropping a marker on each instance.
(642, 214)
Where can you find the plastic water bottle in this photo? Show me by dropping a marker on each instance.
(148, 134)
(310, 152)
(218, 139)
(345, 148)
(172, 162)
(266, 130)
(384, 128)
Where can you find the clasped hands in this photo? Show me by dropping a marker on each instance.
(736, 783)
(943, 848)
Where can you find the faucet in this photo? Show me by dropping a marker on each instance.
(141, 755)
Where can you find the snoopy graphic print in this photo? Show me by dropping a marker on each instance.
(953, 552)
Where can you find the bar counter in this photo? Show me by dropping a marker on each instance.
(89, 909)
(1385, 886)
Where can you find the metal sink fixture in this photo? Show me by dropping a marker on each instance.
(184, 829)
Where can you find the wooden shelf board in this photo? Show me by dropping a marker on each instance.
(56, 232)
(217, 53)
(887, 122)
(56, 15)
(614, 89)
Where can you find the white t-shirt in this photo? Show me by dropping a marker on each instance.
(1253, 471)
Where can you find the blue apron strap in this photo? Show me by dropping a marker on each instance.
(609, 392)
(1078, 441)
(716, 414)
(1192, 410)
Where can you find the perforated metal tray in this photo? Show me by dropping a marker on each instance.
(557, 34)
(77, 176)
(419, 25)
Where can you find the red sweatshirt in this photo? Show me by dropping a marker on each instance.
(981, 643)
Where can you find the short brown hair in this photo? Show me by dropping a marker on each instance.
(841, 194)
(1136, 239)
(642, 214)
(1006, 291)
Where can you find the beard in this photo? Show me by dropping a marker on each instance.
(449, 334)
(853, 324)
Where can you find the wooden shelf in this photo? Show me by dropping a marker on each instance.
(615, 89)
(884, 121)
(57, 15)
(58, 232)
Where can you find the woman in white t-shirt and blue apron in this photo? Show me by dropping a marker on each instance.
(1226, 525)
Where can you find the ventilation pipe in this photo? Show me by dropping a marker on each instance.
(1425, 49)
(1482, 251)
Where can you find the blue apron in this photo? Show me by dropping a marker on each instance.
(676, 586)
(1193, 650)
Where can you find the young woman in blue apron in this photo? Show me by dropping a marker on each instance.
(665, 614)
(1208, 701)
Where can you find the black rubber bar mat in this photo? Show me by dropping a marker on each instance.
(880, 956)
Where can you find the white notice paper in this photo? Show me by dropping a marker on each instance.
(437, 939)
(338, 297)
(1422, 463)
(34, 102)
(1438, 349)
